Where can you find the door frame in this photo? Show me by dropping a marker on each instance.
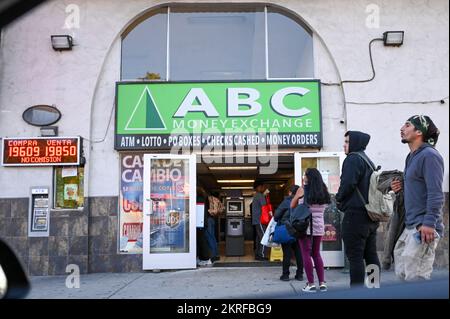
(330, 258)
(169, 260)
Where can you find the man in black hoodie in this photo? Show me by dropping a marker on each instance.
(359, 232)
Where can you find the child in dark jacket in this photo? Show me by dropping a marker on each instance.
(282, 214)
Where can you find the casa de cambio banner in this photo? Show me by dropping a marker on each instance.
(200, 115)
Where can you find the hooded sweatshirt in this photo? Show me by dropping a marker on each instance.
(355, 173)
(283, 212)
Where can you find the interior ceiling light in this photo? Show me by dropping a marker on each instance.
(235, 181)
(226, 168)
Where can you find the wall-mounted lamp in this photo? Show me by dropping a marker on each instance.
(62, 42)
(49, 131)
(390, 38)
(393, 38)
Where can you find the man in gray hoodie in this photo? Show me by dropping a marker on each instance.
(423, 175)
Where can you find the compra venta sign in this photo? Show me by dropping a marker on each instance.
(164, 115)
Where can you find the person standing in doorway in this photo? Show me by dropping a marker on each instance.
(258, 202)
(253, 227)
(215, 209)
(281, 216)
(359, 232)
(414, 251)
(315, 195)
(203, 253)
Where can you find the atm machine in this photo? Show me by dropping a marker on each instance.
(234, 236)
(39, 212)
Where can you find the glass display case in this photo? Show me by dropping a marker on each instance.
(329, 165)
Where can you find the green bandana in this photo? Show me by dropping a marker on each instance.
(420, 123)
(424, 124)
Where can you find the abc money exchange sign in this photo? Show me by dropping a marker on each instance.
(225, 115)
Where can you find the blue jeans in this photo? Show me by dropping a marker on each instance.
(210, 237)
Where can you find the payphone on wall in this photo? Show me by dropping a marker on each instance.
(39, 213)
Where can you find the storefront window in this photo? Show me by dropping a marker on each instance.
(131, 202)
(290, 47)
(217, 45)
(217, 42)
(144, 50)
(69, 189)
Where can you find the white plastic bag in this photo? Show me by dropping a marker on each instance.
(268, 235)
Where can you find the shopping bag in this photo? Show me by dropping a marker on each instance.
(266, 212)
(267, 239)
(281, 235)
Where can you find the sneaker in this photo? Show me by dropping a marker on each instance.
(323, 286)
(309, 288)
(215, 258)
(205, 263)
(284, 277)
(299, 277)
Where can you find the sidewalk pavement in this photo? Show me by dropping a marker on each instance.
(201, 283)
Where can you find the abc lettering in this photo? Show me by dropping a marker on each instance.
(239, 106)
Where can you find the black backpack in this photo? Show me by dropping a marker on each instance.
(300, 219)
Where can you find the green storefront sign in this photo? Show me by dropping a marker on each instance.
(162, 115)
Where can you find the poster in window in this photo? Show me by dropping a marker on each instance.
(333, 183)
(169, 192)
(71, 192)
(200, 211)
(330, 233)
(69, 172)
(325, 175)
(130, 203)
(332, 240)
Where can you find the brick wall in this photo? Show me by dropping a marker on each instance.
(41, 256)
(103, 231)
(88, 238)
